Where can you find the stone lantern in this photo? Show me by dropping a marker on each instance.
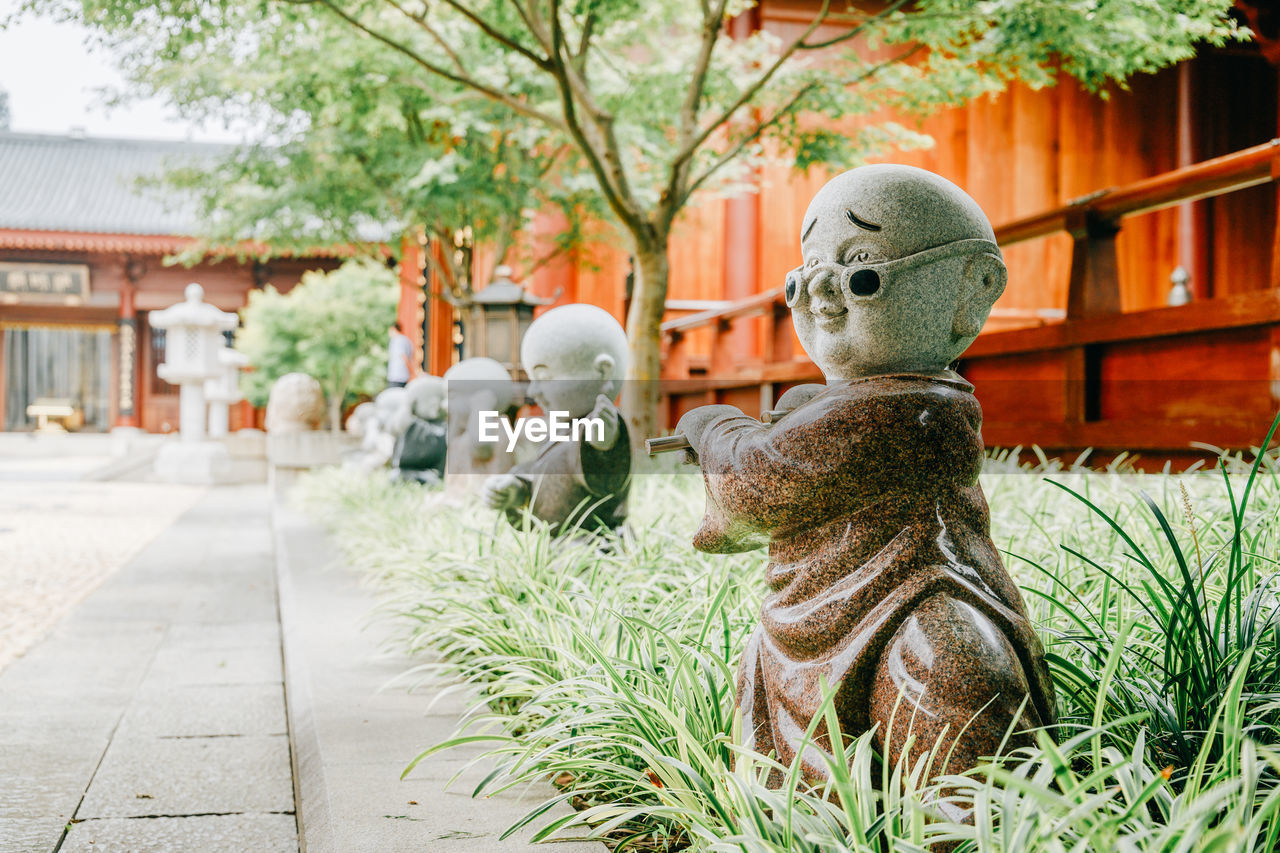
(498, 317)
(223, 390)
(193, 339)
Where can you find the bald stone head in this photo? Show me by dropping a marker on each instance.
(900, 271)
(573, 354)
(479, 376)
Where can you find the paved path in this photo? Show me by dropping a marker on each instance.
(153, 717)
(59, 540)
(355, 732)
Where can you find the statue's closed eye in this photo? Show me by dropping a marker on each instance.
(860, 222)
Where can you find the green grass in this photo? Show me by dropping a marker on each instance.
(611, 671)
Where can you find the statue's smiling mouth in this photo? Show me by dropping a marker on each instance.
(828, 315)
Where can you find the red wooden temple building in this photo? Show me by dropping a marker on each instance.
(82, 264)
(1099, 204)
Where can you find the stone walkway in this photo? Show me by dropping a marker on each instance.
(59, 540)
(153, 717)
(354, 730)
(156, 716)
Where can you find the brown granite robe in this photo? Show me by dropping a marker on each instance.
(868, 498)
(572, 482)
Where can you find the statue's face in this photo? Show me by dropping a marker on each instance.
(429, 401)
(860, 309)
(563, 382)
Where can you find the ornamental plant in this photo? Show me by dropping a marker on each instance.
(332, 326)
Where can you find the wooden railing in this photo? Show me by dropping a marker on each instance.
(1080, 353)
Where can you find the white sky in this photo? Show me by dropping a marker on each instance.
(52, 78)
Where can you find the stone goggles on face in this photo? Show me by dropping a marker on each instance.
(864, 280)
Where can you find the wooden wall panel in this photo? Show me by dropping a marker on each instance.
(1010, 387)
(602, 278)
(1239, 109)
(697, 251)
(1176, 378)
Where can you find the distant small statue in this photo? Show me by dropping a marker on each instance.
(575, 356)
(296, 404)
(419, 428)
(374, 425)
(476, 385)
(360, 419)
(883, 578)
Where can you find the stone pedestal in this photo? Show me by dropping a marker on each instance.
(291, 453)
(248, 451)
(123, 438)
(197, 463)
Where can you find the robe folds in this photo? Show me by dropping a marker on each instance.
(867, 496)
(573, 485)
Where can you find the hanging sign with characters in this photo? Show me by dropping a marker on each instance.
(62, 284)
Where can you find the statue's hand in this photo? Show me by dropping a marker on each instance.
(505, 491)
(695, 422)
(608, 414)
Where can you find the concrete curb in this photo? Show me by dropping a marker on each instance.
(351, 735)
(310, 796)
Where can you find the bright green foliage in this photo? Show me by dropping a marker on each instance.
(1197, 604)
(332, 326)
(613, 673)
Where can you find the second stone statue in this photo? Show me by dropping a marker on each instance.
(575, 356)
(883, 579)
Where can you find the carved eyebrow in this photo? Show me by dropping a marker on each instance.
(805, 235)
(861, 223)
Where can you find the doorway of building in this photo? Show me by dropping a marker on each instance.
(59, 362)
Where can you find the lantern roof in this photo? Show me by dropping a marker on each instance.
(194, 311)
(503, 291)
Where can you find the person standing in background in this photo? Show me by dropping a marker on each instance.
(399, 357)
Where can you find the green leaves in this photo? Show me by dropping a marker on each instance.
(610, 671)
(332, 326)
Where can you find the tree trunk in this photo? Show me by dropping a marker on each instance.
(644, 333)
(335, 411)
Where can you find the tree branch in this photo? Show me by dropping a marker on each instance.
(781, 113)
(711, 23)
(588, 28)
(459, 78)
(750, 91)
(535, 27)
(497, 35)
(431, 31)
(738, 147)
(604, 161)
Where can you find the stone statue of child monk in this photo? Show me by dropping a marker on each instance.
(883, 578)
(575, 356)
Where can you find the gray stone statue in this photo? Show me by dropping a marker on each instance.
(377, 438)
(476, 385)
(575, 356)
(296, 404)
(883, 578)
(419, 427)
